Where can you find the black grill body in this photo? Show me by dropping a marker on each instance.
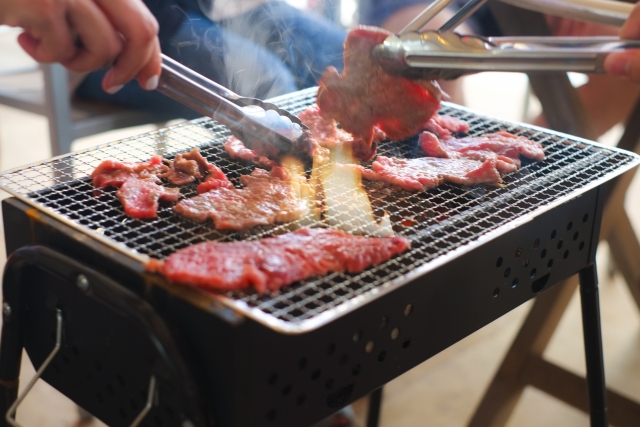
(251, 375)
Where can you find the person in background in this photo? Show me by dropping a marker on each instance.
(256, 48)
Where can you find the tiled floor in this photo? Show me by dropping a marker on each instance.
(444, 390)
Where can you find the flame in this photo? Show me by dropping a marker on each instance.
(347, 205)
(303, 189)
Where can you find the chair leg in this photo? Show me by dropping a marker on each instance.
(625, 249)
(507, 385)
(58, 109)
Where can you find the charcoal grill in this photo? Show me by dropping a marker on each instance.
(135, 348)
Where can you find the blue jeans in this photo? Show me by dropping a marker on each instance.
(271, 50)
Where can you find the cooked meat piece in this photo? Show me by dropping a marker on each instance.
(113, 173)
(428, 172)
(271, 263)
(444, 126)
(267, 198)
(504, 147)
(140, 197)
(189, 167)
(365, 96)
(237, 150)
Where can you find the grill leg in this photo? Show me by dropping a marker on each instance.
(373, 414)
(593, 346)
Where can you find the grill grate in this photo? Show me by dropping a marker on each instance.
(438, 221)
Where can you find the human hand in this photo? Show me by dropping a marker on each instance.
(85, 35)
(627, 64)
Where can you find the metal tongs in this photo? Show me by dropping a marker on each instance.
(251, 120)
(448, 55)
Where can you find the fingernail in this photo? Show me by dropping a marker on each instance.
(151, 83)
(114, 89)
(619, 66)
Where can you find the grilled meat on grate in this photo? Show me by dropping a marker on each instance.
(271, 263)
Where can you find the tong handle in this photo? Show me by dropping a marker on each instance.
(215, 101)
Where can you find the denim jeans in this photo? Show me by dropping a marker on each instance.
(271, 50)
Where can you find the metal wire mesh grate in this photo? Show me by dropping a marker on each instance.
(437, 221)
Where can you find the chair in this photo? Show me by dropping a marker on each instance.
(44, 89)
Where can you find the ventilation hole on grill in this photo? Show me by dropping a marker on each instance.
(56, 368)
(302, 363)
(543, 253)
(575, 236)
(170, 413)
(328, 384)
(507, 272)
(384, 322)
(585, 218)
(97, 365)
(369, 346)
(394, 333)
(331, 348)
(581, 247)
(271, 415)
(550, 263)
(514, 282)
(301, 398)
(344, 359)
(382, 356)
(560, 244)
(65, 359)
(570, 225)
(536, 243)
(408, 309)
(533, 273)
(357, 335)
(499, 262)
(540, 283)
(75, 350)
(158, 420)
(518, 252)
(496, 292)
(287, 389)
(566, 254)
(120, 380)
(110, 389)
(356, 369)
(133, 404)
(406, 343)
(525, 262)
(272, 379)
(99, 397)
(553, 234)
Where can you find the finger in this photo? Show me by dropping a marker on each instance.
(149, 76)
(48, 39)
(624, 64)
(100, 41)
(140, 30)
(631, 28)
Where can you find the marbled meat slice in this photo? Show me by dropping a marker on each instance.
(428, 172)
(365, 96)
(273, 262)
(112, 173)
(266, 198)
(192, 166)
(140, 197)
(443, 126)
(504, 147)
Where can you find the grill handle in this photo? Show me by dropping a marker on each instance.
(215, 101)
